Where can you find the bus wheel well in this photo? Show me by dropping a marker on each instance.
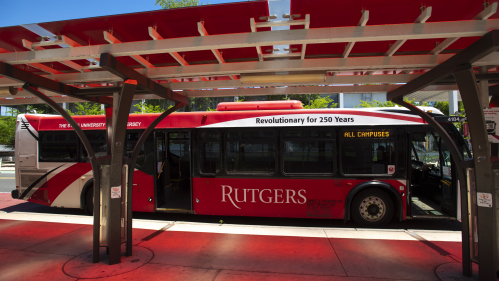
(83, 196)
(383, 186)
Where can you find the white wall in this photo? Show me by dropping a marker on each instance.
(351, 100)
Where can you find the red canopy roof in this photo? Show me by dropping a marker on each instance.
(173, 23)
(327, 13)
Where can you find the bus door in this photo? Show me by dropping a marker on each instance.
(433, 181)
(177, 168)
(162, 170)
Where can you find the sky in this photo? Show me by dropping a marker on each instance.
(17, 12)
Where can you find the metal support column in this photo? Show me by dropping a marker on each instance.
(115, 221)
(487, 238)
(453, 103)
(111, 64)
(484, 87)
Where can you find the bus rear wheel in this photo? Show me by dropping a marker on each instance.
(372, 208)
(89, 201)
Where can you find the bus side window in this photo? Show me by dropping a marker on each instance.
(58, 146)
(209, 152)
(98, 142)
(250, 152)
(368, 152)
(308, 151)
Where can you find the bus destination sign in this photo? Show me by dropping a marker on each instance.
(366, 134)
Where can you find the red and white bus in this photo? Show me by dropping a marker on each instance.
(263, 159)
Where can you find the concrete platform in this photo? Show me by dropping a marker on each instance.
(37, 246)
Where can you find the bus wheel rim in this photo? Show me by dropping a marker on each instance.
(372, 209)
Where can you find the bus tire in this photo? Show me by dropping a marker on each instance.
(372, 208)
(89, 201)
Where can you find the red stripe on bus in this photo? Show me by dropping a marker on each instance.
(197, 119)
(59, 182)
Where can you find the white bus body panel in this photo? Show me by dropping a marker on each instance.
(70, 196)
(26, 144)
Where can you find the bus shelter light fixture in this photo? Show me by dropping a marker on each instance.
(290, 78)
(7, 91)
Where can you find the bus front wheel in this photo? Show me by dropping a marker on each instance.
(372, 208)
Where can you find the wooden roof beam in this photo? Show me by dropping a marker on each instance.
(362, 22)
(423, 17)
(306, 26)
(333, 64)
(258, 48)
(483, 15)
(216, 52)
(156, 36)
(113, 40)
(36, 47)
(116, 67)
(251, 39)
(34, 80)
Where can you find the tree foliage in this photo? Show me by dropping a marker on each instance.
(87, 108)
(376, 103)
(7, 130)
(42, 108)
(305, 99)
(444, 107)
(325, 102)
(144, 107)
(8, 124)
(172, 4)
(8, 127)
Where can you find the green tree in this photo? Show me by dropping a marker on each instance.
(42, 108)
(376, 103)
(202, 104)
(7, 130)
(304, 98)
(444, 107)
(325, 102)
(87, 108)
(8, 127)
(172, 4)
(8, 124)
(144, 107)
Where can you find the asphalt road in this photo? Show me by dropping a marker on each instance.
(7, 182)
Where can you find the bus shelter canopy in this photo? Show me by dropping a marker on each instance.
(356, 46)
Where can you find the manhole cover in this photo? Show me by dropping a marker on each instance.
(82, 266)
